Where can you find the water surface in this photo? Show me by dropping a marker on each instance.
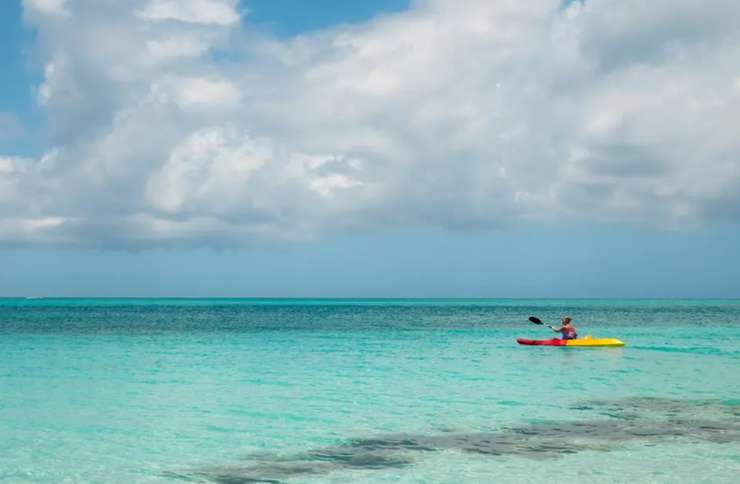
(321, 390)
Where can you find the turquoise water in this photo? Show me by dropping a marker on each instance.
(231, 391)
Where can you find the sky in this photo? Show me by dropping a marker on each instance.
(417, 148)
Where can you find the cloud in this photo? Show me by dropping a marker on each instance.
(175, 122)
(220, 12)
(47, 7)
(175, 47)
(213, 93)
(209, 169)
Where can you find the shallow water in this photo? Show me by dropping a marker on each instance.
(366, 391)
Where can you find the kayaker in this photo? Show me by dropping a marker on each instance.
(567, 330)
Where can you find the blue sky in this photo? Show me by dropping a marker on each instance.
(387, 148)
(17, 77)
(291, 17)
(531, 262)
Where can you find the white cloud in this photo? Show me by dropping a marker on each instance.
(32, 230)
(10, 164)
(327, 185)
(11, 169)
(206, 93)
(47, 7)
(461, 117)
(221, 12)
(176, 47)
(210, 171)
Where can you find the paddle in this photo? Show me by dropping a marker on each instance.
(539, 321)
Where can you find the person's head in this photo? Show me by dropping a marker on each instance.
(566, 320)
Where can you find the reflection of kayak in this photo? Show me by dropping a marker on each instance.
(583, 342)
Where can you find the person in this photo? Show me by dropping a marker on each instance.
(567, 330)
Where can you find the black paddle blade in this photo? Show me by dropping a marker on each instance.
(535, 320)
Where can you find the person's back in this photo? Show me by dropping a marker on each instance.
(567, 330)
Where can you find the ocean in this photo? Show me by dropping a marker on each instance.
(367, 390)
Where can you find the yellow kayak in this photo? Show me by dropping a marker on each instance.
(582, 342)
(594, 342)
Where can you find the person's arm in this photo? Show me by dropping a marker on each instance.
(557, 330)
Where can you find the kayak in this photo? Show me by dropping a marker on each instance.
(584, 342)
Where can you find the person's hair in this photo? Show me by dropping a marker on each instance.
(567, 319)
